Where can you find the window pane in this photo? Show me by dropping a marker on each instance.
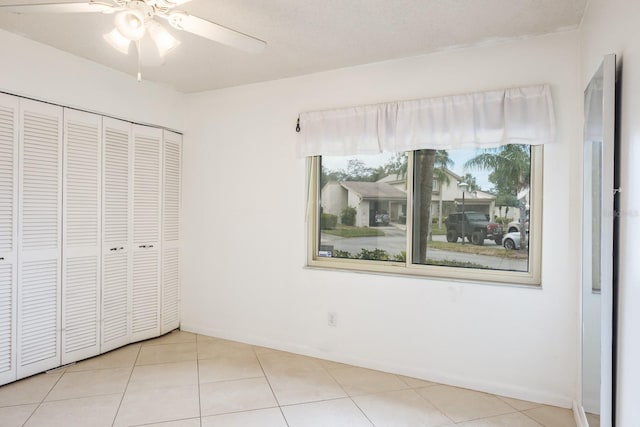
(477, 216)
(363, 207)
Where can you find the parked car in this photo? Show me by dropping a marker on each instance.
(474, 226)
(514, 226)
(512, 240)
(381, 218)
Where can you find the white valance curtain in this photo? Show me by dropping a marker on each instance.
(521, 115)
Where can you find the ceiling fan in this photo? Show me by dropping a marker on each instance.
(133, 19)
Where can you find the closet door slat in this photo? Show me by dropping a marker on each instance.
(147, 166)
(81, 235)
(40, 231)
(117, 199)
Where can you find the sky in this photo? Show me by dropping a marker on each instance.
(459, 158)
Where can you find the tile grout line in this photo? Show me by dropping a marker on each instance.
(270, 386)
(348, 395)
(531, 418)
(115, 417)
(198, 372)
(42, 400)
(426, 399)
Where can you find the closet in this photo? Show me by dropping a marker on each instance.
(89, 234)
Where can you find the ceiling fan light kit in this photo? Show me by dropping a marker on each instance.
(117, 41)
(131, 24)
(135, 18)
(163, 40)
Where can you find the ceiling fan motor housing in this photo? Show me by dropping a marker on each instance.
(132, 21)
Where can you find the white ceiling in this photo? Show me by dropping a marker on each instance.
(303, 36)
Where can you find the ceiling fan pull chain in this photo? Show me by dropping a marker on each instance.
(298, 125)
(139, 55)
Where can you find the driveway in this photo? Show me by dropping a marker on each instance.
(394, 242)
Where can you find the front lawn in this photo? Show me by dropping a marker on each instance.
(351, 231)
(468, 248)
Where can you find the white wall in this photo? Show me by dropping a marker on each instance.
(611, 26)
(244, 274)
(35, 70)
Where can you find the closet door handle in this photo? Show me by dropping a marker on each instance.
(145, 246)
(1, 258)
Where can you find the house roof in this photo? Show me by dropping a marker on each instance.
(375, 190)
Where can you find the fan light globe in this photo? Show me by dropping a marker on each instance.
(118, 41)
(164, 41)
(130, 23)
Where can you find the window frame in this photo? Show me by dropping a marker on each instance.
(408, 268)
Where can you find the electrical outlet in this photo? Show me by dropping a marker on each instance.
(332, 319)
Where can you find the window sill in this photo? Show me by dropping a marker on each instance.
(437, 273)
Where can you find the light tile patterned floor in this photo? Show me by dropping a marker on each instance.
(188, 380)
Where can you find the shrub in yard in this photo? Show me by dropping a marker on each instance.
(503, 220)
(376, 254)
(402, 257)
(328, 221)
(348, 216)
(341, 254)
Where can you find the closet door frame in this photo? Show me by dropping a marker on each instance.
(171, 244)
(9, 257)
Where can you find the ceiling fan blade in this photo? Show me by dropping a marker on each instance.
(171, 3)
(83, 7)
(217, 33)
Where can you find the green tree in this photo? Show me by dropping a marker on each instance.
(471, 181)
(510, 167)
(397, 165)
(441, 163)
(424, 161)
(357, 170)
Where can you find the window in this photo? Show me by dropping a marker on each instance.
(471, 214)
(445, 187)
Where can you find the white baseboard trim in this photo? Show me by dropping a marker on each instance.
(579, 415)
(501, 389)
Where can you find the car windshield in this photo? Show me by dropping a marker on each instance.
(476, 216)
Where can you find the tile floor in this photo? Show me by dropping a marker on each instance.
(188, 380)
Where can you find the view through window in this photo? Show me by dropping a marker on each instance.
(470, 208)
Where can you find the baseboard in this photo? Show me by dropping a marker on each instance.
(579, 415)
(500, 389)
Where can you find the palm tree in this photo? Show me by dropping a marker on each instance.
(511, 166)
(471, 182)
(442, 162)
(424, 161)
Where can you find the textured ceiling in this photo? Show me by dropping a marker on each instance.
(303, 36)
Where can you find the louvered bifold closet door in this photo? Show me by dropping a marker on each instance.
(9, 107)
(171, 262)
(39, 237)
(81, 235)
(117, 197)
(147, 163)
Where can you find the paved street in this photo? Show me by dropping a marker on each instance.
(394, 242)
